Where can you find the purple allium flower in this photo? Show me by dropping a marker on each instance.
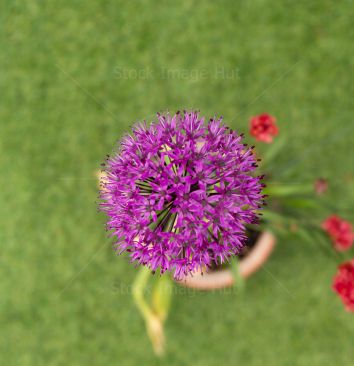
(179, 193)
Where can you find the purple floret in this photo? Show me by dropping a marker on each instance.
(179, 193)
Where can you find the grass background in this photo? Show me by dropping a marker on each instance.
(74, 75)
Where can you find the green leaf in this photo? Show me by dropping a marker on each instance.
(161, 296)
(273, 216)
(302, 203)
(287, 189)
(239, 280)
(304, 234)
(153, 321)
(139, 285)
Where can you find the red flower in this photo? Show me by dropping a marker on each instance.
(263, 127)
(343, 284)
(340, 231)
(321, 186)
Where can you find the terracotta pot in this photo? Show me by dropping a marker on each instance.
(256, 257)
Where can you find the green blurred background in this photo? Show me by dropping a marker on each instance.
(74, 76)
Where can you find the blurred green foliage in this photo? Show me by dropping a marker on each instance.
(74, 75)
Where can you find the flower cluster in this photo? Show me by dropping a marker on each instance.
(179, 193)
(340, 232)
(263, 127)
(343, 284)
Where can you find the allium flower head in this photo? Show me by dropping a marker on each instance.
(343, 284)
(179, 193)
(263, 127)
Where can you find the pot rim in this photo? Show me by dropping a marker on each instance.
(247, 266)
